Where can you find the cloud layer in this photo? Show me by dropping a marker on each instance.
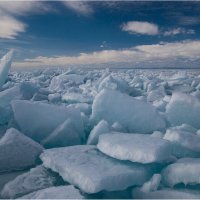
(177, 52)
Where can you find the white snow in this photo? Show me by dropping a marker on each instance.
(38, 120)
(91, 171)
(184, 108)
(36, 179)
(185, 170)
(5, 64)
(60, 192)
(139, 148)
(101, 128)
(133, 114)
(17, 151)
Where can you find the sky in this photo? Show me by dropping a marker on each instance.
(135, 34)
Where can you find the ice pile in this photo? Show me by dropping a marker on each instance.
(108, 133)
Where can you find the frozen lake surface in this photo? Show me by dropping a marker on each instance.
(99, 133)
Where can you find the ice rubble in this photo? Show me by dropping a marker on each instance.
(42, 118)
(76, 98)
(36, 179)
(61, 82)
(185, 170)
(87, 168)
(88, 104)
(114, 83)
(139, 148)
(5, 64)
(60, 192)
(17, 151)
(184, 108)
(135, 115)
(185, 143)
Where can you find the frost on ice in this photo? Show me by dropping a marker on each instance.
(90, 170)
(139, 148)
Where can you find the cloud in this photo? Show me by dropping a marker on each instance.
(80, 7)
(139, 27)
(24, 7)
(10, 27)
(177, 31)
(184, 52)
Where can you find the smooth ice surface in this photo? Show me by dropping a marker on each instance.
(38, 120)
(17, 151)
(90, 170)
(185, 170)
(36, 179)
(184, 108)
(60, 192)
(166, 193)
(101, 128)
(5, 64)
(133, 114)
(64, 135)
(189, 142)
(139, 148)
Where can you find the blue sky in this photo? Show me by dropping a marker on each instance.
(84, 33)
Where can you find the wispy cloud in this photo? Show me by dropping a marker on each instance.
(165, 52)
(10, 27)
(80, 7)
(138, 27)
(177, 31)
